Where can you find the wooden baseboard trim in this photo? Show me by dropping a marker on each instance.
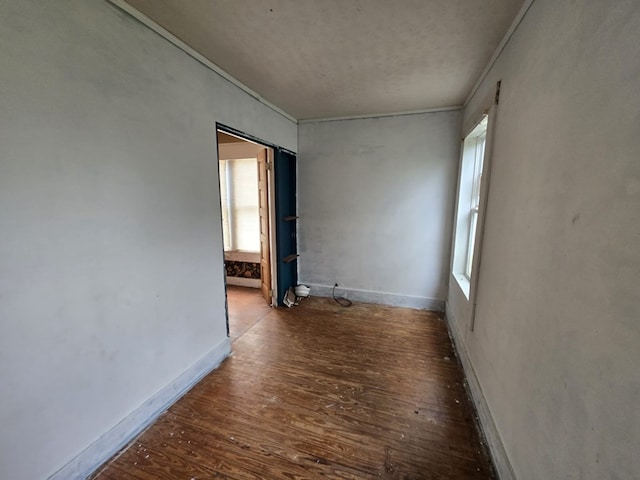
(244, 282)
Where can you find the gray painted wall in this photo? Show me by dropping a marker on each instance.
(111, 270)
(556, 347)
(376, 201)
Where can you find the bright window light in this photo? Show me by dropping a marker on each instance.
(240, 214)
(477, 144)
(468, 211)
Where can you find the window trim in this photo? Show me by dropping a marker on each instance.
(471, 203)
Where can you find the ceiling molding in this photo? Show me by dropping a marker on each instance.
(503, 43)
(147, 22)
(380, 115)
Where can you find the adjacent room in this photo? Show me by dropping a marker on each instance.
(246, 232)
(463, 176)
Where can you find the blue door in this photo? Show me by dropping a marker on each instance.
(286, 222)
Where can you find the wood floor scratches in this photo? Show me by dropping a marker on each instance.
(321, 391)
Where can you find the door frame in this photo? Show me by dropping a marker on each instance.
(272, 148)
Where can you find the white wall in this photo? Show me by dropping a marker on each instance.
(111, 269)
(376, 203)
(556, 346)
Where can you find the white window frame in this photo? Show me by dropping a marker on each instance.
(469, 205)
(229, 228)
(478, 162)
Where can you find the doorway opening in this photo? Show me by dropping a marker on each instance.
(247, 231)
(259, 223)
(245, 205)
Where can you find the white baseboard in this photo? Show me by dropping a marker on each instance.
(244, 282)
(120, 435)
(381, 298)
(489, 429)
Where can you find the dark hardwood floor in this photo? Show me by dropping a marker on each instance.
(321, 391)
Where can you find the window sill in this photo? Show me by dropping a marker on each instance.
(463, 283)
(240, 256)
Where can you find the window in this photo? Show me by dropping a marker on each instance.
(240, 214)
(468, 213)
(477, 144)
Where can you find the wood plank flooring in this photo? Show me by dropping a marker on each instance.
(246, 307)
(321, 391)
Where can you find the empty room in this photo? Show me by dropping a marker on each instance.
(351, 239)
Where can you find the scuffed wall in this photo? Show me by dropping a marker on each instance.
(111, 263)
(376, 205)
(556, 345)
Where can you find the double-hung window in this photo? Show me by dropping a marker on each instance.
(239, 198)
(469, 204)
(476, 145)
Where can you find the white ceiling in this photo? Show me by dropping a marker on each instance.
(333, 58)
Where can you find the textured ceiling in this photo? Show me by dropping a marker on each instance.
(332, 58)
